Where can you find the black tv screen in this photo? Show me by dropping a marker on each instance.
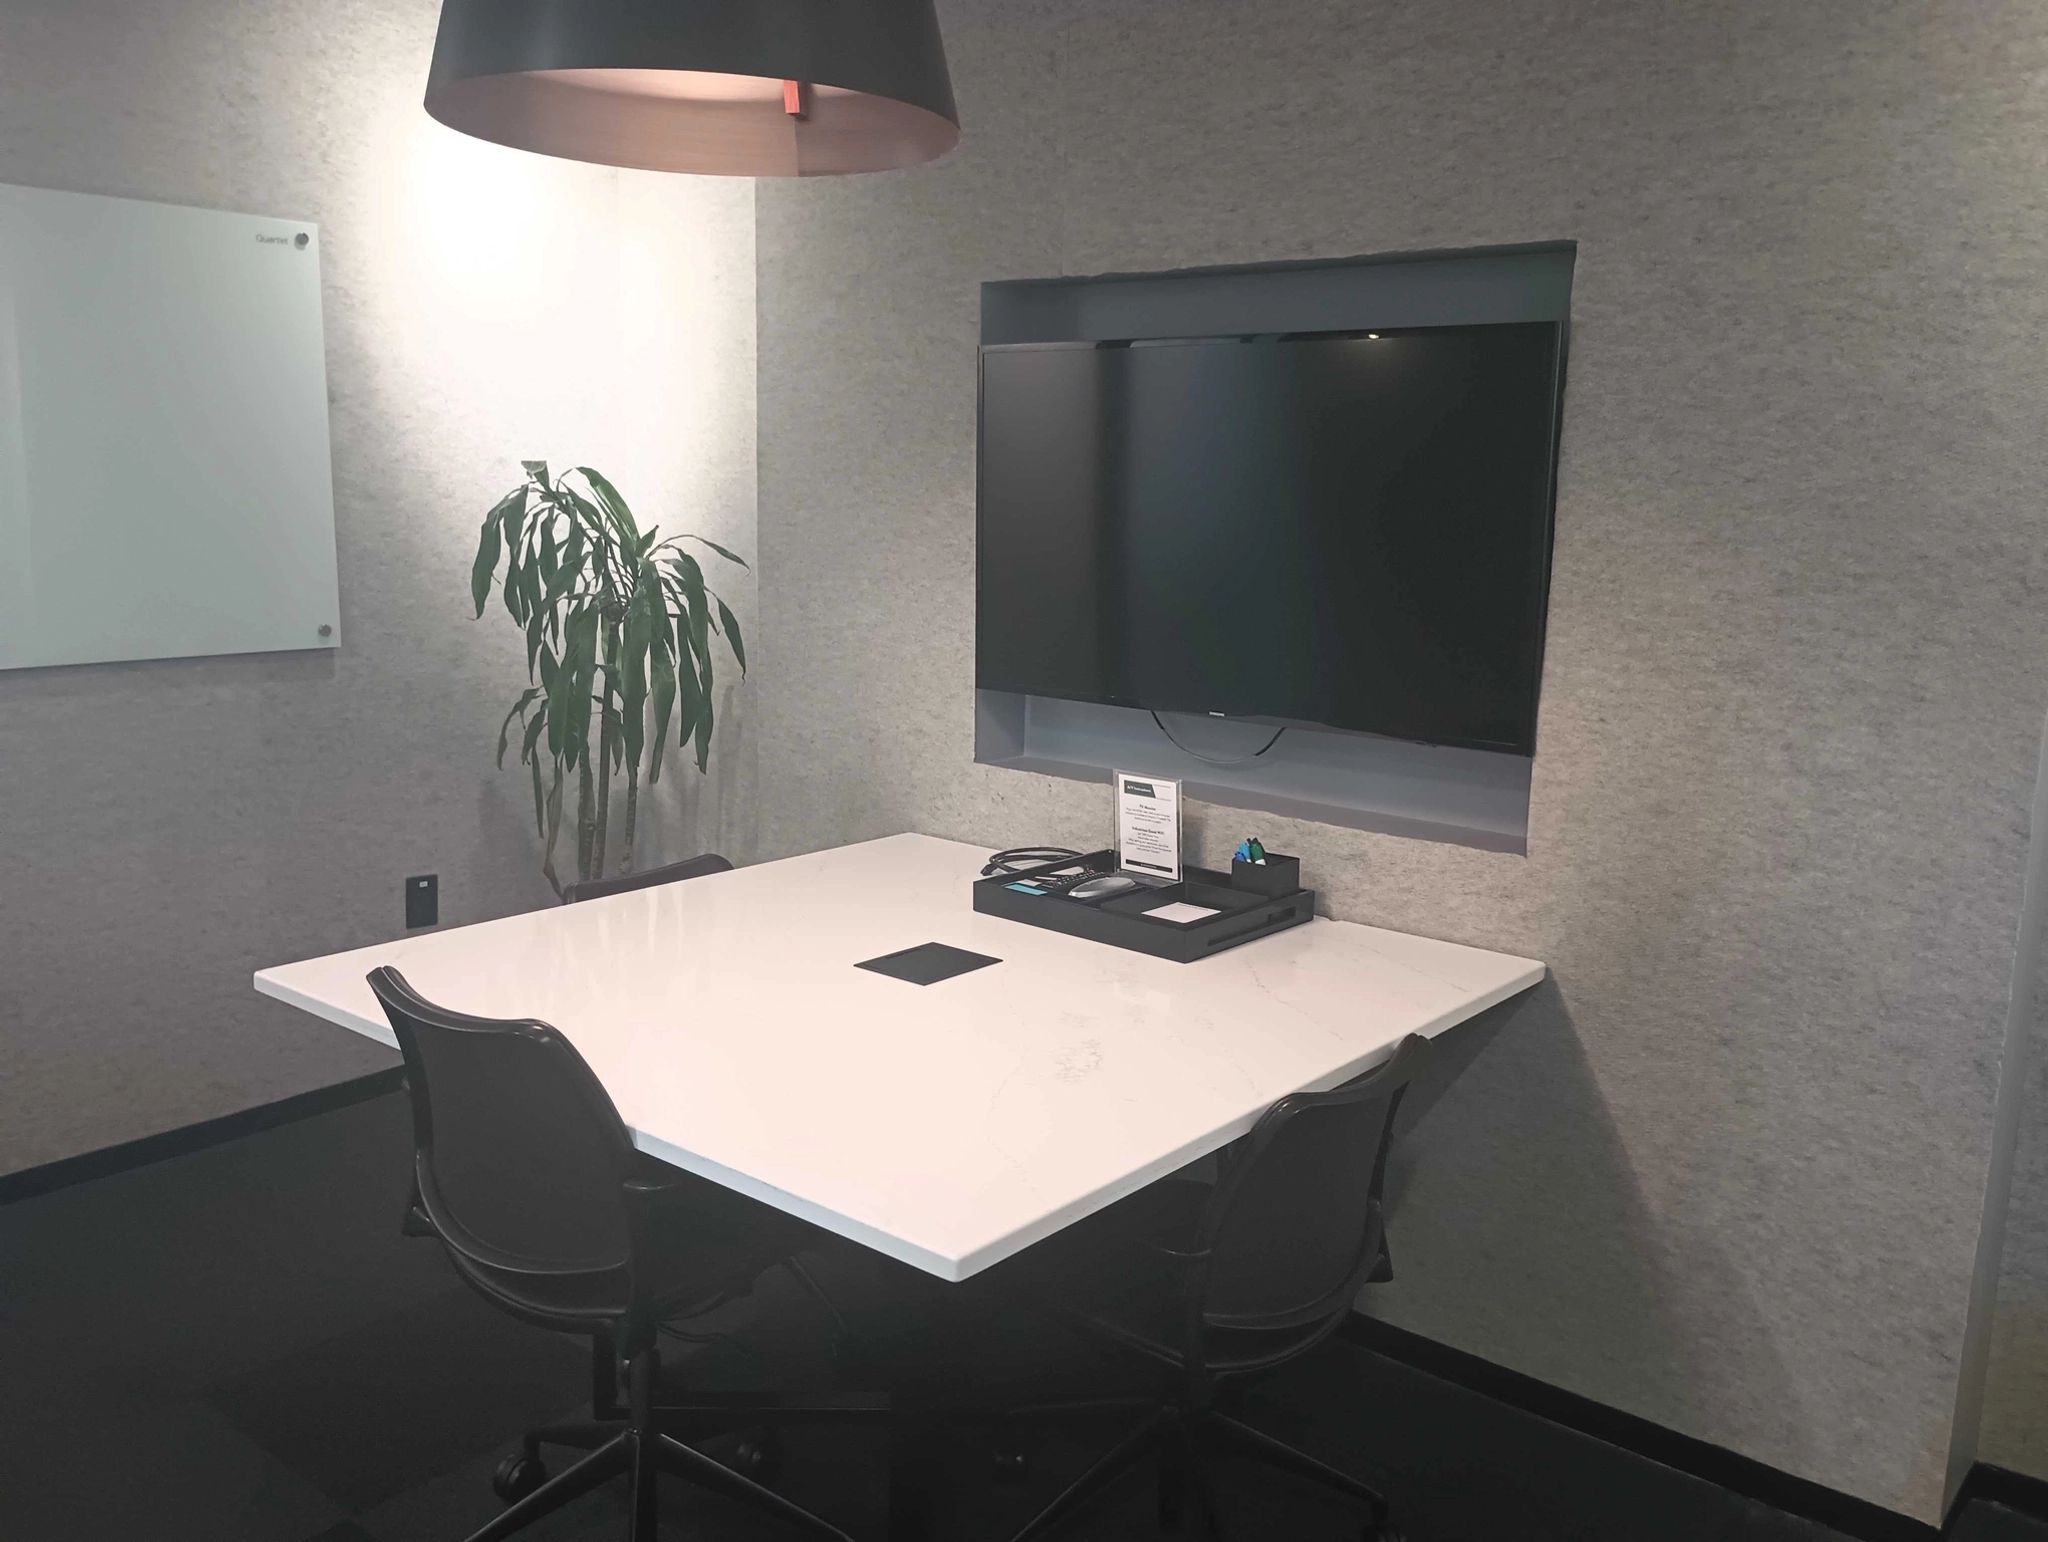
(1343, 530)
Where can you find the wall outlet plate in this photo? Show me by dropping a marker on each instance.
(423, 901)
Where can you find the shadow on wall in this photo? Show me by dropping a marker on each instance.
(1512, 1202)
(2015, 1428)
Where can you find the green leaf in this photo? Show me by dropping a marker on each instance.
(730, 556)
(536, 634)
(530, 584)
(687, 572)
(614, 505)
(700, 641)
(521, 589)
(576, 682)
(638, 639)
(505, 728)
(704, 736)
(538, 470)
(513, 512)
(664, 699)
(564, 580)
(690, 700)
(535, 727)
(573, 551)
(539, 821)
(600, 523)
(732, 634)
(695, 606)
(486, 562)
(569, 560)
(556, 679)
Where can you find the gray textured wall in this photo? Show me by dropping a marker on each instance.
(1727, 1170)
(170, 827)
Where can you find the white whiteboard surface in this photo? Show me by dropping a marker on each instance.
(165, 484)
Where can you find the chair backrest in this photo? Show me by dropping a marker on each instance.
(519, 1151)
(626, 883)
(1295, 1227)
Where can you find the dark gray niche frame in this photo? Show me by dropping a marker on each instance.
(1465, 797)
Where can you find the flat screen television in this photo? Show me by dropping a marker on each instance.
(1341, 530)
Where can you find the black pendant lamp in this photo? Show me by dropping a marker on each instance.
(750, 88)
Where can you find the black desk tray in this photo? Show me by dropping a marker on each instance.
(1242, 915)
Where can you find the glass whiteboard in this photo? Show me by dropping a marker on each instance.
(165, 484)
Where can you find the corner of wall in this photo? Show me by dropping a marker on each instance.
(2015, 1066)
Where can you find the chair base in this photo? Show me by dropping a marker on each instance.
(644, 1457)
(1183, 1439)
(640, 1441)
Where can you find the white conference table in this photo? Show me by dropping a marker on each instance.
(950, 1125)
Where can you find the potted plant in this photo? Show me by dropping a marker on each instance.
(619, 626)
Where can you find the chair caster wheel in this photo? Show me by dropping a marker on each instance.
(1011, 1467)
(758, 1456)
(517, 1476)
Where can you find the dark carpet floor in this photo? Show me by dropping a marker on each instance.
(237, 1346)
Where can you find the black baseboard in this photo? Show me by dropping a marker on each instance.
(1739, 1474)
(2003, 1486)
(107, 1161)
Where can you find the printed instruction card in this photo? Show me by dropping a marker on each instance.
(1148, 825)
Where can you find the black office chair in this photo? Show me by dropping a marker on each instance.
(527, 1175)
(1210, 1284)
(626, 883)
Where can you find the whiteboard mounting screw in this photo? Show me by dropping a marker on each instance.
(326, 630)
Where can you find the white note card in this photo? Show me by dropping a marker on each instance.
(1181, 913)
(1148, 825)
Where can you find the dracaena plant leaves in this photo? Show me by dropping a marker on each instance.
(618, 626)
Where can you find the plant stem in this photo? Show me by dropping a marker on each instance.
(604, 788)
(554, 808)
(632, 816)
(586, 823)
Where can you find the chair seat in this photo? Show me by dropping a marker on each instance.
(708, 1244)
(1107, 1276)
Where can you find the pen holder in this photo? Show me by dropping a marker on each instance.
(1273, 877)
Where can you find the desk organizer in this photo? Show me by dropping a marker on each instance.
(1243, 913)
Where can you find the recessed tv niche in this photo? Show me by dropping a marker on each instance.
(1346, 531)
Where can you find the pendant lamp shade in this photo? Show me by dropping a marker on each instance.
(751, 88)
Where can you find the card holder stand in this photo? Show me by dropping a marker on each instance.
(1242, 914)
